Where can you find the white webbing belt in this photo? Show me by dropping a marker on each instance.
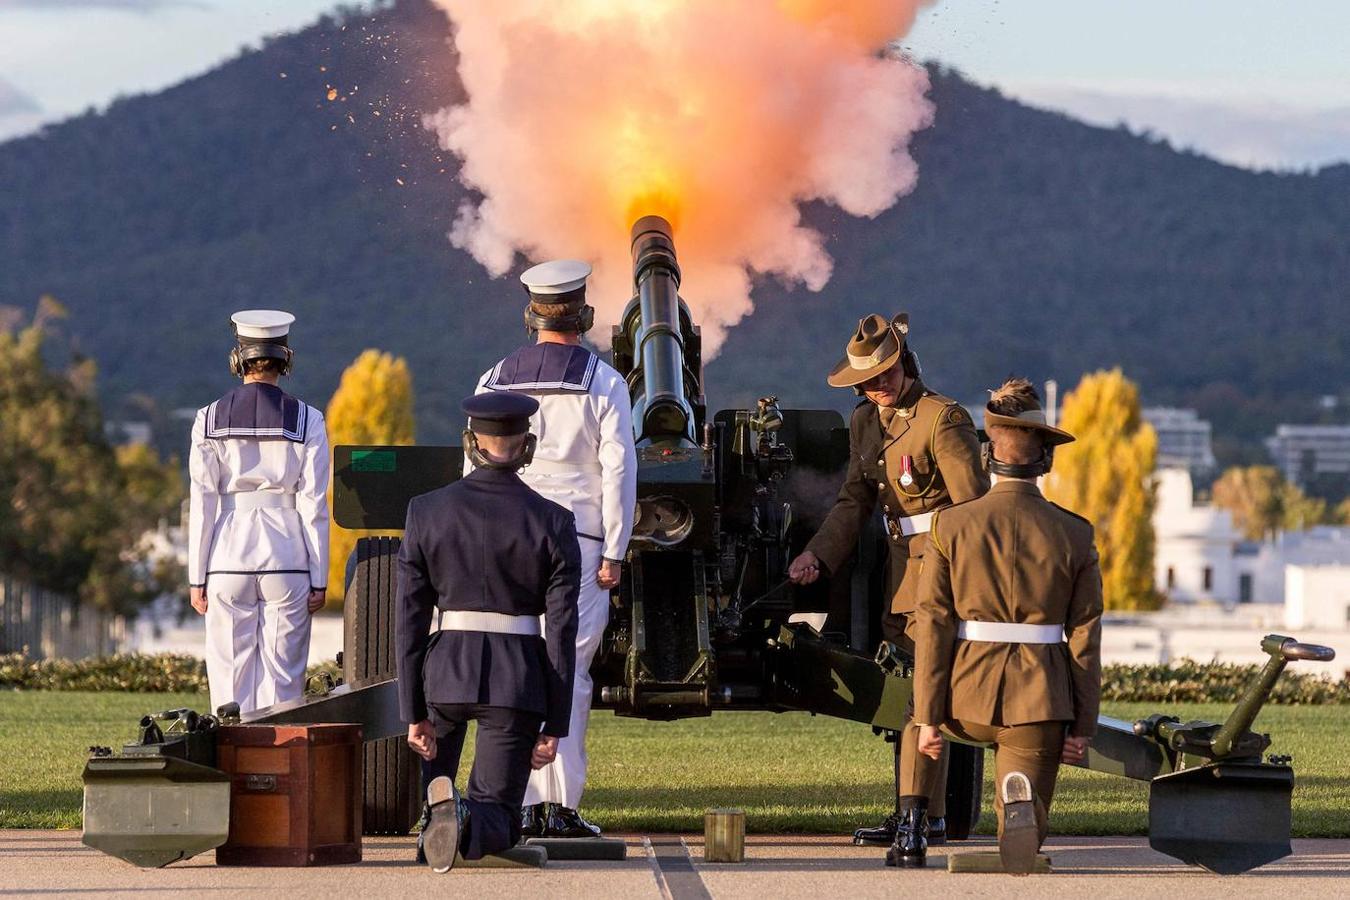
(919, 524)
(496, 623)
(257, 500)
(548, 467)
(1010, 632)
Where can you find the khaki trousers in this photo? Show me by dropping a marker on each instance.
(1032, 749)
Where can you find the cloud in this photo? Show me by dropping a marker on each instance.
(136, 6)
(1255, 134)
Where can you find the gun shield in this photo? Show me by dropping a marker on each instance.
(1225, 817)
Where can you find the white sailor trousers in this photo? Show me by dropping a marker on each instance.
(563, 780)
(257, 637)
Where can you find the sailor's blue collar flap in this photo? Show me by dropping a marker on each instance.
(545, 367)
(257, 411)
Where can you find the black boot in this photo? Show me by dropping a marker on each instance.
(937, 831)
(532, 821)
(878, 835)
(910, 849)
(563, 822)
(884, 834)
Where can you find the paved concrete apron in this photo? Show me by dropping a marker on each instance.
(671, 866)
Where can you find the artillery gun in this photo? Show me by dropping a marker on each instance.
(703, 622)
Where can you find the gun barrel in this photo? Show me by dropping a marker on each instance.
(662, 412)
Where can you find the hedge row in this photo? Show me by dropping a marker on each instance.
(1182, 682)
(1187, 681)
(160, 673)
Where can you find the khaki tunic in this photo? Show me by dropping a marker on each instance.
(1010, 556)
(936, 433)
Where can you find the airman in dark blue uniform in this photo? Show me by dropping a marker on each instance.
(483, 559)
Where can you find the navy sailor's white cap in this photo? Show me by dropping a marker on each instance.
(557, 276)
(262, 324)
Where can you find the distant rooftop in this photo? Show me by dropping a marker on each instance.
(1320, 545)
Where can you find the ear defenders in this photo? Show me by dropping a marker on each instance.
(1016, 470)
(480, 459)
(241, 354)
(579, 321)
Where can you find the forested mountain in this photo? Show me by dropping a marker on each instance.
(1034, 244)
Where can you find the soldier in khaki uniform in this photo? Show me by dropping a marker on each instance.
(1007, 627)
(911, 452)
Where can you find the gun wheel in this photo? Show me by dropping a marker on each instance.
(965, 785)
(392, 792)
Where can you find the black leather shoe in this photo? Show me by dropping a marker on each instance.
(562, 822)
(878, 835)
(422, 822)
(440, 839)
(532, 821)
(910, 849)
(937, 831)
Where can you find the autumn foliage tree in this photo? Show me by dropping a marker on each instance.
(1106, 476)
(373, 404)
(1262, 502)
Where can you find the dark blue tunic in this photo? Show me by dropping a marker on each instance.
(488, 543)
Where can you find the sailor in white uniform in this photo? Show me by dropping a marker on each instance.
(586, 462)
(258, 522)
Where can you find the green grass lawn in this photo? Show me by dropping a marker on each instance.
(790, 772)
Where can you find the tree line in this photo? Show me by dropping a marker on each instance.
(74, 509)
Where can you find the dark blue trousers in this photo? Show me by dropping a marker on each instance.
(501, 770)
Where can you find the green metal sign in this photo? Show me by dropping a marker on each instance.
(374, 461)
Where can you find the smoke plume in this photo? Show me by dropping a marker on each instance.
(721, 115)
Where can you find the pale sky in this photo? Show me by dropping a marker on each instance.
(1249, 81)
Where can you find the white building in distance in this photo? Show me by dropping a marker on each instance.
(1185, 440)
(1225, 592)
(1202, 557)
(1302, 452)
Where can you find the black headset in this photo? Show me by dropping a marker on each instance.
(1017, 470)
(480, 459)
(242, 354)
(579, 321)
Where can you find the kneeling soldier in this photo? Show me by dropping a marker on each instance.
(1008, 626)
(488, 556)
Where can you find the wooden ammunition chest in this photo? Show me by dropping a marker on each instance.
(295, 794)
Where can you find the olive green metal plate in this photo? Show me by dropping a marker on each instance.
(813, 674)
(154, 810)
(1116, 750)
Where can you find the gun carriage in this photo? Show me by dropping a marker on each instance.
(703, 621)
